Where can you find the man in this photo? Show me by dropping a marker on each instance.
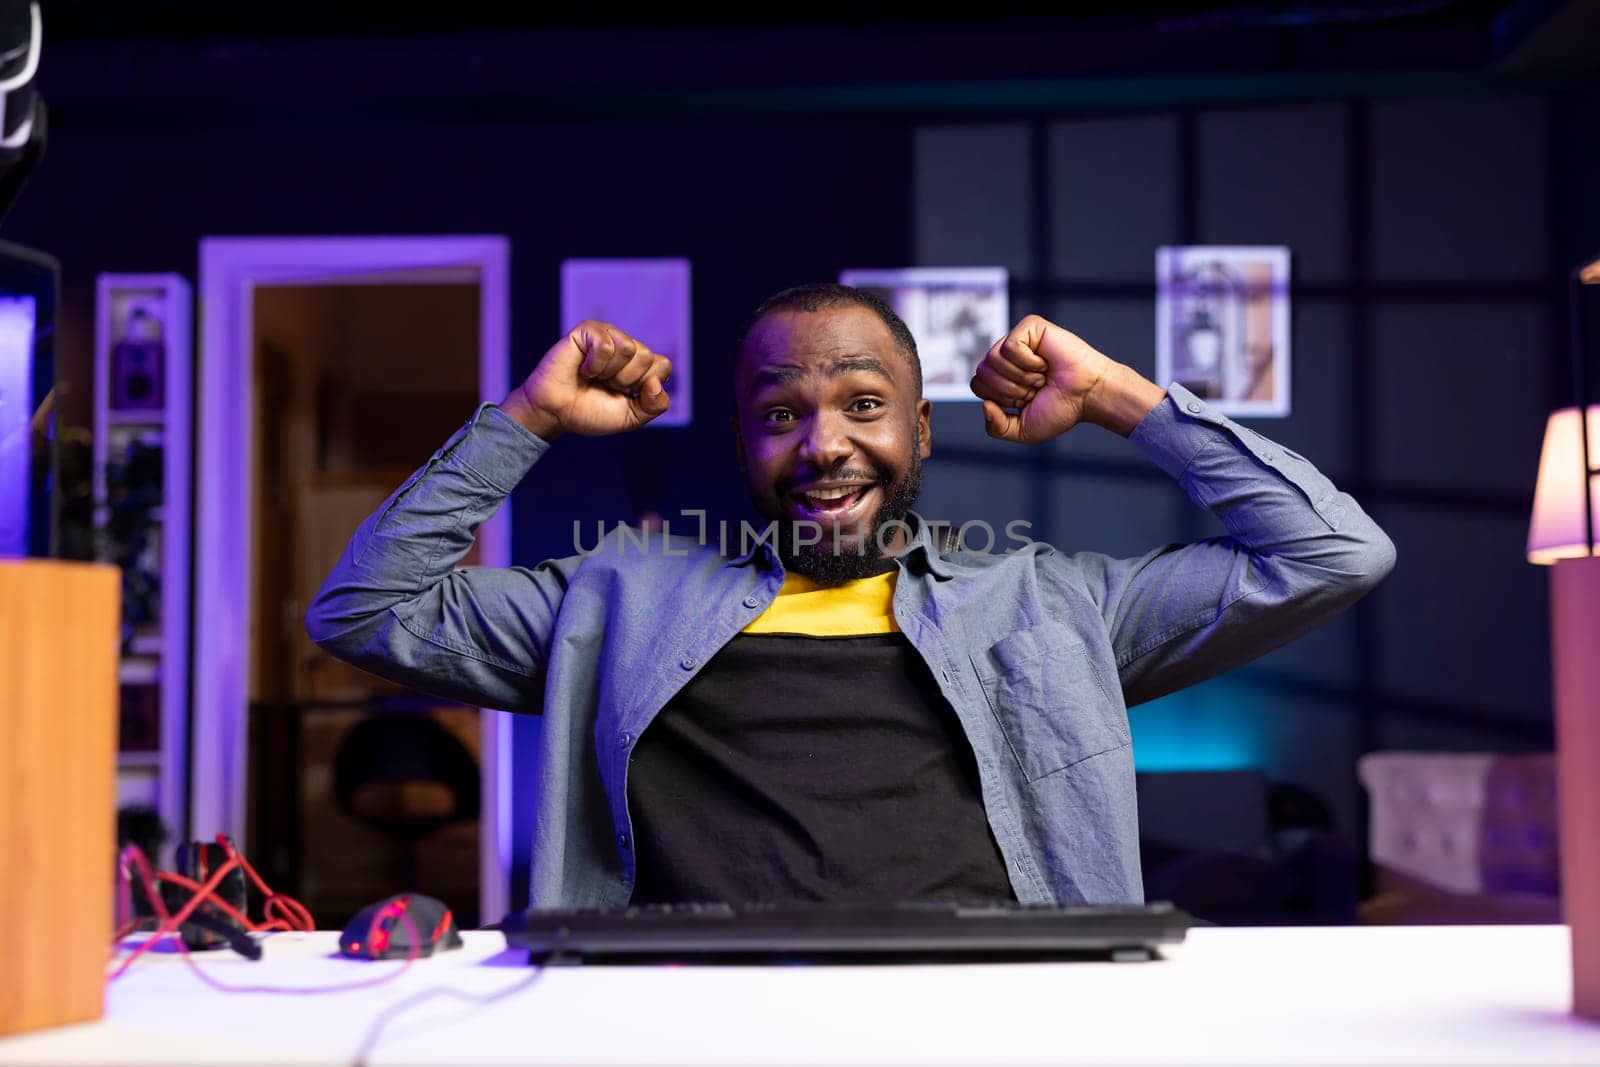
(846, 710)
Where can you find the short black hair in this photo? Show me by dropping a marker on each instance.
(822, 296)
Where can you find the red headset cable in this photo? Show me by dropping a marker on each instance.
(291, 915)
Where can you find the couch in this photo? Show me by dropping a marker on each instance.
(1462, 838)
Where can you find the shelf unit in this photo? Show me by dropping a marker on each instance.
(143, 418)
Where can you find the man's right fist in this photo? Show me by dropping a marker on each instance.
(595, 381)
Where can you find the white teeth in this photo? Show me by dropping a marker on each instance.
(832, 494)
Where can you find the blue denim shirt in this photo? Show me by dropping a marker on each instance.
(1040, 652)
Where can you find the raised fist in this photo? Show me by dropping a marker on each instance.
(1043, 372)
(595, 381)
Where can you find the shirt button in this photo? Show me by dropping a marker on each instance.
(622, 841)
(624, 740)
(751, 602)
(1266, 454)
(1194, 407)
(687, 663)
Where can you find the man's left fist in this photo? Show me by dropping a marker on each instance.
(1045, 374)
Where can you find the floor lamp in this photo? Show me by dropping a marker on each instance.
(1562, 535)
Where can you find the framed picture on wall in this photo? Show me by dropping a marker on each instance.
(1222, 325)
(955, 314)
(647, 298)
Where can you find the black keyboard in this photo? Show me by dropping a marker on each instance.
(844, 932)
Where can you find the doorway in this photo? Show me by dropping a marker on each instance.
(356, 385)
(329, 370)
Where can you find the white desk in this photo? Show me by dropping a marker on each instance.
(1457, 995)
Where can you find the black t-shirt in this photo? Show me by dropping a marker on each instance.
(804, 768)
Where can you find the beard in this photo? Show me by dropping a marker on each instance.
(834, 563)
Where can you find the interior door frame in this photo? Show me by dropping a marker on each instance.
(230, 269)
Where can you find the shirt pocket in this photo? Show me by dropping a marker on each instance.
(1049, 699)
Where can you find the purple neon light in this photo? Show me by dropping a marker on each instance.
(16, 413)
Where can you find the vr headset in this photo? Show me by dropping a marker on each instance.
(207, 926)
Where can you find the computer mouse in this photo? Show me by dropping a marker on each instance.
(380, 931)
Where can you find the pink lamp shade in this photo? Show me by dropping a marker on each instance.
(1557, 530)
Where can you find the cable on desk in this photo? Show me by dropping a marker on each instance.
(284, 914)
(375, 1031)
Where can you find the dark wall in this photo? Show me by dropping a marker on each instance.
(754, 203)
(1427, 317)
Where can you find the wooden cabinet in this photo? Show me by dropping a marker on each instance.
(58, 691)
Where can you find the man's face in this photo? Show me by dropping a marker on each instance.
(831, 433)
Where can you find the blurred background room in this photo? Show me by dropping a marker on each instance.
(297, 244)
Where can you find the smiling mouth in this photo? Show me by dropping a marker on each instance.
(831, 504)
